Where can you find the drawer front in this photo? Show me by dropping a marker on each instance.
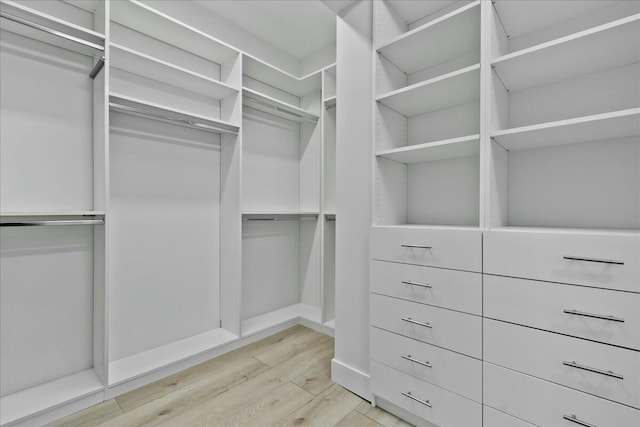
(542, 256)
(445, 328)
(447, 409)
(542, 305)
(457, 290)
(446, 369)
(543, 354)
(546, 404)
(456, 249)
(495, 418)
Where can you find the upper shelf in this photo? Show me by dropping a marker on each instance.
(139, 63)
(330, 102)
(451, 36)
(40, 26)
(270, 105)
(266, 73)
(466, 146)
(444, 91)
(605, 46)
(145, 19)
(137, 107)
(598, 127)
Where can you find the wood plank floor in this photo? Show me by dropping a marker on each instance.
(282, 380)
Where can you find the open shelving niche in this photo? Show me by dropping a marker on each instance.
(427, 134)
(53, 208)
(281, 199)
(588, 145)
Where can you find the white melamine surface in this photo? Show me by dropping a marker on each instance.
(494, 418)
(544, 403)
(457, 87)
(46, 151)
(466, 146)
(543, 305)
(273, 76)
(542, 354)
(164, 223)
(256, 100)
(46, 295)
(411, 10)
(329, 271)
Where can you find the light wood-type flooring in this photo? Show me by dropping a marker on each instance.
(282, 380)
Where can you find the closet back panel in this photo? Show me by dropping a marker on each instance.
(46, 299)
(65, 10)
(271, 166)
(270, 266)
(46, 127)
(329, 294)
(310, 248)
(165, 226)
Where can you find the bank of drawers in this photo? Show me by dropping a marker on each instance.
(426, 324)
(562, 326)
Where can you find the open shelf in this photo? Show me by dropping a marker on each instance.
(37, 25)
(143, 363)
(145, 19)
(568, 230)
(458, 87)
(617, 124)
(606, 46)
(290, 315)
(448, 37)
(277, 216)
(37, 399)
(330, 102)
(137, 107)
(97, 214)
(135, 62)
(438, 150)
(273, 76)
(274, 106)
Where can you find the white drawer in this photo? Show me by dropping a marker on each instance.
(446, 408)
(444, 368)
(543, 354)
(542, 305)
(546, 404)
(541, 255)
(495, 418)
(456, 249)
(457, 290)
(445, 328)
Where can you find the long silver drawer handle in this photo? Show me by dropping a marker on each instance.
(419, 362)
(574, 364)
(416, 246)
(587, 259)
(415, 322)
(595, 316)
(423, 285)
(410, 396)
(575, 419)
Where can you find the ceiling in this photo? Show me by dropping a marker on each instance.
(298, 27)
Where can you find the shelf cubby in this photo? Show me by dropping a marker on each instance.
(271, 105)
(257, 71)
(439, 150)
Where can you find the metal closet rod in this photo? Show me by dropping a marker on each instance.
(282, 110)
(47, 222)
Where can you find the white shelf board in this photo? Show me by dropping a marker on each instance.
(47, 396)
(277, 216)
(430, 227)
(330, 102)
(278, 78)
(291, 314)
(52, 214)
(144, 65)
(268, 104)
(598, 127)
(606, 46)
(466, 146)
(458, 87)
(566, 230)
(94, 40)
(411, 10)
(138, 107)
(451, 36)
(140, 364)
(149, 21)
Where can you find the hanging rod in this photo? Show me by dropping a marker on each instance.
(141, 109)
(49, 30)
(98, 67)
(279, 109)
(52, 222)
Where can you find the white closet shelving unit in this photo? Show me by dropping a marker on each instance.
(52, 195)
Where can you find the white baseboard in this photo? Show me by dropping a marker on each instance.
(352, 379)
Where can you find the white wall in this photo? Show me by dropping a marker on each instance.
(354, 130)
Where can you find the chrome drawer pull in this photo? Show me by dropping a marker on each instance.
(422, 285)
(602, 261)
(416, 246)
(575, 419)
(595, 316)
(574, 364)
(410, 396)
(419, 362)
(415, 322)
